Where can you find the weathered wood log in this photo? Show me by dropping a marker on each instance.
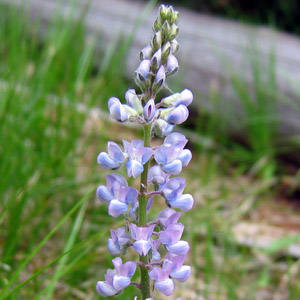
(213, 50)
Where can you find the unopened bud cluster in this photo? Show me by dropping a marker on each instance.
(158, 242)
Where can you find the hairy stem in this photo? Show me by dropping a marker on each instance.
(145, 282)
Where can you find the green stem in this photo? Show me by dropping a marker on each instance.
(145, 281)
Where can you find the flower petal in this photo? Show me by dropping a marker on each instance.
(184, 202)
(186, 98)
(134, 168)
(174, 168)
(185, 156)
(166, 286)
(172, 65)
(112, 178)
(130, 195)
(120, 282)
(105, 289)
(117, 208)
(146, 154)
(115, 152)
(103, 194)
(149, 203)
(142, 247)
(162, 127)
(178, 115)
(182, 274)
(113, 248)
(106, 162)
(128, 269)
(116, 110)
(149, 110)
(180, 248)
(175, 139)
(158, 274)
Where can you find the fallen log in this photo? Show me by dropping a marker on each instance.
(214, 53)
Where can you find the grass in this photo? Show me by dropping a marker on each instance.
(53, 230)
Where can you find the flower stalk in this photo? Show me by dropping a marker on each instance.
(158, 118)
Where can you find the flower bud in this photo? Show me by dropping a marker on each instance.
(133, 100)
(177, 115)
(157, 24)
(165, 51)
(117, 110)
(173, 32)
(170, 100)
(146, 53)
(165, 29)
(170, 12)
(131, 111)
(143, 69)
(162, 127)
(163, 12)
(185, 98)
(156, 60)
(174, 19)
(142, 73)
(156, 40)
(149, 110)
(172, 65)
(159, 79)
(174, 46)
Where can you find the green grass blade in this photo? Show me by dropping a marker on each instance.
(44, 241)
(70, 243)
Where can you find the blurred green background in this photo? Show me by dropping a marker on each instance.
(53, 230)
(274, 13)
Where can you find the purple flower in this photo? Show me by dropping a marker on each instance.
(171, 234)
(157, 177)
(156, 60)
(142, 72)
(170, 237)
(184, 98)
(159, 79)
(118, 194)
(117, 110)
(155, 255)
(178, 271)
(119, 239)
(133, 100)
(149, 110)
(173, 194)
(163, 283)
(117, 279)
(162, 127)
(168, 216)
(146, 53)
(142, 235)
(138, 156)
(174, 46)
(175, 115)
(171, 155)
(106, 288)
(172, 65)
(113, 159)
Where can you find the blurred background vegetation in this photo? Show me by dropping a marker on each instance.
(53, 230)
(274, 13)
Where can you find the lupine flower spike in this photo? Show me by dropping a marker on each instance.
(158, 244)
